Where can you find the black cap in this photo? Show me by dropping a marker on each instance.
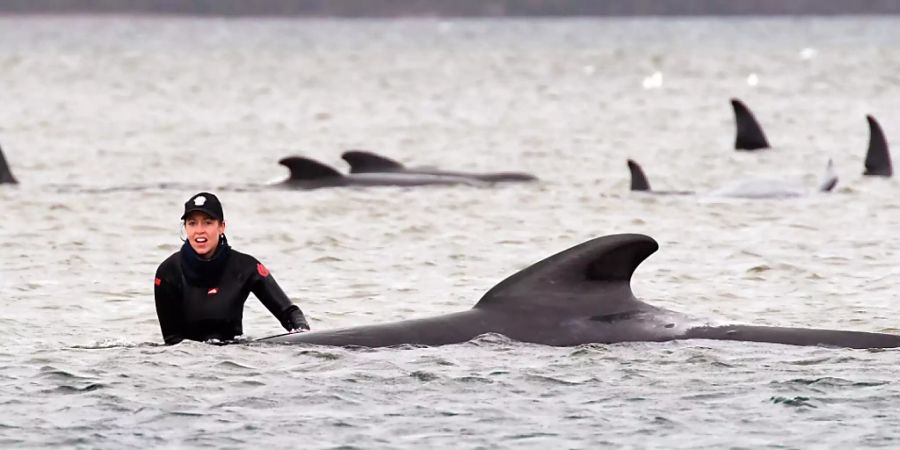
(206, 203)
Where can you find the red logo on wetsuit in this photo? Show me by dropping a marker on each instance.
(212, 291)
(263, 272)
(157, 282)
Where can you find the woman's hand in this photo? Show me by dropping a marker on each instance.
(297, 322)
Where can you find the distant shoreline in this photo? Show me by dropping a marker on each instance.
(454, 8)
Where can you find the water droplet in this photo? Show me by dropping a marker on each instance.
(654, 81)
(752, 79)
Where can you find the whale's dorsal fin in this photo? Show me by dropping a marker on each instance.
(638, 179)
(5, 175)
(878, 157)
(307, 169)
(362, 161)
(749, 135)
(829, 179)
(573, 278)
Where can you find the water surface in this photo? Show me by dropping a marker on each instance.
(92, 106)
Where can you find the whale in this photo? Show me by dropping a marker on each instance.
(752, 188)
(878, 157)
(749, 135)
(363, 161)
(6, 176)
(306, 173)
(639, 182)
(581, 295)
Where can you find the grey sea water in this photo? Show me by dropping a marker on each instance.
(98, 113)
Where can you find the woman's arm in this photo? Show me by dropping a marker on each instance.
(276, 301)
(168, 307)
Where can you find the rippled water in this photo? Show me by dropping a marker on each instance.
(92, 105)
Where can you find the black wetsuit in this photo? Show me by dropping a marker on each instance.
(202, 299)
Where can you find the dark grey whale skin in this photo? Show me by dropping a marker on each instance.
(306, 173)
(749, 135)
(6, 176)
(362, 161)
(878, 156)
(579, 296)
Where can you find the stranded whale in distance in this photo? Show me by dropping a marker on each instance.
(748, 188)
(310, 174)
(749, 134)
(579, 296)
(368, 162)
(878, 157)
(5, 175)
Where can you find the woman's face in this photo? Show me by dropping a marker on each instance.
(203, 233)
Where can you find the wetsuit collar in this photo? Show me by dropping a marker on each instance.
(204, 272)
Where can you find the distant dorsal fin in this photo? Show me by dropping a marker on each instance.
(307, 169)
(749, 135)
(362, 161)
(5, 175)
(572, 278)
(829, 179)
(638, 179)
(878, 157)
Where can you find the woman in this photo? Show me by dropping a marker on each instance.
(200, 290)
